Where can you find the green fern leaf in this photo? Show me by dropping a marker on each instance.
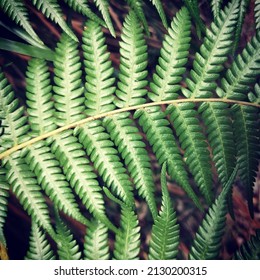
(217, 118)
(250, 250)
(12, 117)
(67, 246)
(257, 14)
(159, 7)
(213, 53)
(99, 81)
(193, 7)
(96, 242)
(82, 7)
(132, 149)
(165, 231)
(216, 7)
(207, 241)
(4, 194)
(49, 175)
(244, 4)
(39, 247)
(51, 9)
(38, 94)
(242, 73)
(17, 11)
(103, 7)
(69, 100)
(173, 57)
(101, 151)
(127, 243)
(80, 174)
(165, 86)
(133, 63)
(246, 132)
(161, 138)
(136, 5)
(26, 189)
(193, 142)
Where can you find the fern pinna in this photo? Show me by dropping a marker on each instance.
(84, 144)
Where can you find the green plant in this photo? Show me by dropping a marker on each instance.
(78, 140)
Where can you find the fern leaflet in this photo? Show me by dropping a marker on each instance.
(103, 6)
(67, 247)
(96, 242)
(82, 7)
(207, 241)
(159, 7)
(257, 14)
(165, 232)
(26, 189)
(4, 194)
(52, 10)
(17, 11)
(216, 7)
(39, 247)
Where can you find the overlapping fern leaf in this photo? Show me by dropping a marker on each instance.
(131, 89)
(216, 7)
(99, 97)
(39, 247)
(165, 232)
(96, 245)
(67, 246)
(165, 86)
(17, 11)
(257, 14)
(207, 241)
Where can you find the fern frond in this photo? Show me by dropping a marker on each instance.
(207, 241)
(101, 151)
(49, 175)
(96, 242)
(193, 142)
(161, 138)
(243, 72)
(67, 246)
(213, 53)
(38, 94)
(250, 250)
(193, 7)
(132, 149)
(136, 5)
(26, 189)
(12, 117)
(257, 14)
(244, 4)
(81, 6)
(217, 118)
(17, 11)
(246, 132)
(99, 81)
(69, 100)
(216, 7)
(39, 247)
(4, 194)
(127, 243)
(103, 7)
(165, 231)
(80, 174)
(51, 9)
(173, 57)
(158, 5)
(133, 63)
(165, 86)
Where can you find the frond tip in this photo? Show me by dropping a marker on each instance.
(165, 231)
